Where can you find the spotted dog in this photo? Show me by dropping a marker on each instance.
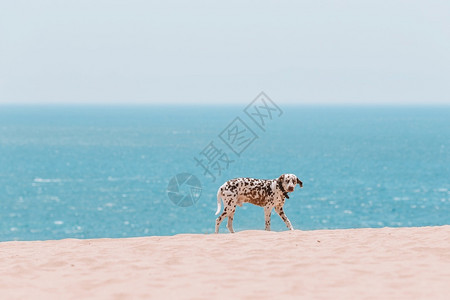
(267, 193)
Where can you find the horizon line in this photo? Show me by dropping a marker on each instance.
(137, 104)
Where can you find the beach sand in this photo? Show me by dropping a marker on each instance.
(395, 263)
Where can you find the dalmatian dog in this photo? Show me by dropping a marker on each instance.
(267, 193)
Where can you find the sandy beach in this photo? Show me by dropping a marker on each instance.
(395, 263)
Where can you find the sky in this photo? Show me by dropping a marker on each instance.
(205, 52)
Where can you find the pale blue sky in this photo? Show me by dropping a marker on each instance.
(95, 51)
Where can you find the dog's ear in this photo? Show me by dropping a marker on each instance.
(299, 182)
(281, 178)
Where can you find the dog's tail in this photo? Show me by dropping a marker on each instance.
(219, 201)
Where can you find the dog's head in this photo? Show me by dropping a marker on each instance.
(289, 181)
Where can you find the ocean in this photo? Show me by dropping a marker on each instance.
(126, 171)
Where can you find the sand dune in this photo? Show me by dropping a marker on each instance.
(401, 263)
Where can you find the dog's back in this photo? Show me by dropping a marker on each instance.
(255, 191)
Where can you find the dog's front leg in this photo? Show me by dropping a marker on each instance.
(280, 212)
(267, 212)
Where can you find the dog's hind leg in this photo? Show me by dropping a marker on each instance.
(230, 219)
(219, 220)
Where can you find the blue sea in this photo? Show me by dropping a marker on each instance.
(107, 171)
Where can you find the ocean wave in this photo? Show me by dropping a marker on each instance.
(44, 180)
